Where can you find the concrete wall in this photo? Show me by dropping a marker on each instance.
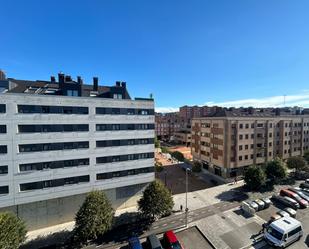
(60, 210)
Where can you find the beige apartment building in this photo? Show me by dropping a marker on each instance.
(227, 145)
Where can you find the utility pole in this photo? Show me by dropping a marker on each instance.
(187, 170)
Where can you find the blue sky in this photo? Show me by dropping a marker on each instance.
(240, 52)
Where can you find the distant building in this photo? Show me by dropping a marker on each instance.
(2, 75)
(60, 139)
(233, 139)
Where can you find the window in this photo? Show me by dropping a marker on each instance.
(53, 164)
(72, 93)
(124, 142)
(246, 147)
(54, 183)
(246, 157)
(260, 125)
(240, 136)
(2, 128)
(240, 147)
(124, 173)
(28, 109)
(240, 126)
(3, 149)
(252, 125)
(2, 108)
(247, 136)
(114, 127)
(53, 146)
(117, 96)
(247, 126)
(3, 170)
(270, 125)
(53, 128)
(128, 157)
(240, 158)
(4, 190)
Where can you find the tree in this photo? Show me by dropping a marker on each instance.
(197, 167)
(276, 170)
(164, 150)
(178, 155)
(159, 167)
(306, 156)
(254, 177)
(157, 200)
(157, 142)
(296, 162)
(94, 217)
(12, 231)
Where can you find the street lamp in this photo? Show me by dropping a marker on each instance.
(187, 170)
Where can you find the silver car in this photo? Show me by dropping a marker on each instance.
(254, 205)
(283, 213)
(260, 204)
(291, 212)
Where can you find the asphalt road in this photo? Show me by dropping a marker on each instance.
(175, 221)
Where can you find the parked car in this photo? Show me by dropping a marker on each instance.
(285, 192)
(291, 212)
(302, 194)
(283, 232)
(305, 190)
(283, 213)
(171, 241)
(267, 202)
(154, 242)
(134, 243)
(287, 201)
(254, 205)
(274, 217)
(260, 203)
(304, 185)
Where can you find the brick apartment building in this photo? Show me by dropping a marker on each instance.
(176, 126)
(230, 141)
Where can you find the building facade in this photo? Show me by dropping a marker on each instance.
(58, 142)
(228, 145)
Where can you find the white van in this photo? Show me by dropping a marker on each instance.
(283, 232)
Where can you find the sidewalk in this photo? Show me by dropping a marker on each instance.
(196, 200)
(207, 197)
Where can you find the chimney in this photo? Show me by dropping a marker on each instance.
(79, 80)
(95, 84)
(60, 77)
(52, 79)
(118, 83)
(68, 78)
(123, 84)
(2, 75)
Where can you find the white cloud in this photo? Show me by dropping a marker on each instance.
(273, 101)
(301, 100)
(166, 109)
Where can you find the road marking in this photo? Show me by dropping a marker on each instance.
(155, 227)
(164, 225)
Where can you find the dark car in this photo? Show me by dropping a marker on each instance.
(287, 201)
(154, 242)
(134, 243)
(304, 185)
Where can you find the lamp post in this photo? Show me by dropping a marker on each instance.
(187, 170)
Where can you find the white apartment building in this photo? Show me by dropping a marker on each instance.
(55, 148)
